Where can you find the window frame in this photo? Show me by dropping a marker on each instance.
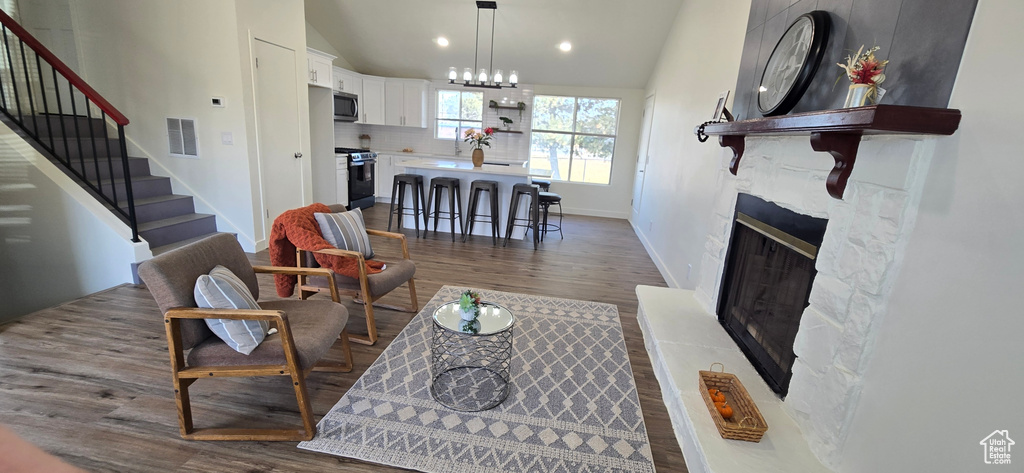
(573, 134)
(479, 124)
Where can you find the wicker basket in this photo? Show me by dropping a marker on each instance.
(746, 423)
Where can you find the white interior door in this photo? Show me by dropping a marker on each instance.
(642, 156)
(277, 130)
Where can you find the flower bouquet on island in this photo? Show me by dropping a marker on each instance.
(479, 139)
(865, 72)
(469, 310)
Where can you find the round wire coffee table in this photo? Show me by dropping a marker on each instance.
(470, 371)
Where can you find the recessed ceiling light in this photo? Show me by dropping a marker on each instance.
(442, 41)
(565, 46)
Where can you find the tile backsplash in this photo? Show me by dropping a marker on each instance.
(504, 146)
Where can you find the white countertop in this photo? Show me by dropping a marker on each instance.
(465, 166)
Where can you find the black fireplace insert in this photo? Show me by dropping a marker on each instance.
(769, 269)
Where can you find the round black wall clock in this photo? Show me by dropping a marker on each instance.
(793, 63)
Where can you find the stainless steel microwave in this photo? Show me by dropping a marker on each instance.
(346, 107)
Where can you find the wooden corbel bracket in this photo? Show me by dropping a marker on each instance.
(843, 148)
(734, 142)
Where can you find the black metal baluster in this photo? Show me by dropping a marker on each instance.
(14, 81)
(28, 91)
(46, 105)
(128, 184)
(110, 160)
(60, 118)
(3, 95)
(78, 134)
(95, 155)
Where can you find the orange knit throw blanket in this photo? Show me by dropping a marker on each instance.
(298, 228)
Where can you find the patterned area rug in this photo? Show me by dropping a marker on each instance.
(573, 406)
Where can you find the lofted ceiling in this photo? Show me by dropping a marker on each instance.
(615, 43)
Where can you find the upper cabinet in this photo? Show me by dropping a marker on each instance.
(319, 67)
(348, 81)
(405, 102)
(372, 100)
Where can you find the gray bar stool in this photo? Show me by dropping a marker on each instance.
(533, 220)
(544, 185)
(440, 184)
(419, 201)
(547, 199)
(491, 188)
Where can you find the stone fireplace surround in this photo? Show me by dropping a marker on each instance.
(857, 266)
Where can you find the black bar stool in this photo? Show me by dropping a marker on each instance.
(547, 199)
(491, 187)
(440, 184)
(544, 185)
(419, 201)
(533, 220)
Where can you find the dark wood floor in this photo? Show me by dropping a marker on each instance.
(89, 380)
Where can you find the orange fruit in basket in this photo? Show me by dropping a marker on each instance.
(725, 410)
(716, 395)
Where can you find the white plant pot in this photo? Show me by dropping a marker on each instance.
(467, 315)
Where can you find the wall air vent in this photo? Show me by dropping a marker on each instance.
(182, 139)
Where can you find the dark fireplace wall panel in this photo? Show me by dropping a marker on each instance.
(922, 39)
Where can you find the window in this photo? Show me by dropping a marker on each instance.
(458, 111)
(574, 138)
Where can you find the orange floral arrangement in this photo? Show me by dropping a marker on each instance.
(479, 139)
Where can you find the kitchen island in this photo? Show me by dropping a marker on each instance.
(505, 175)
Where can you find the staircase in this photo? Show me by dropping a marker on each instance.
(83, 134)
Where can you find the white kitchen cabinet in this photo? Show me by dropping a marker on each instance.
(385, 177)
(342, 180)
(405, 102)
(348, 81)
(372, 100)
(319, 66)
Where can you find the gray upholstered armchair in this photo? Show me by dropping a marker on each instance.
(306, 332)
(368, 288)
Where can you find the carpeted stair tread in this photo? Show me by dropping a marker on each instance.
(166, 222)
(178, 244)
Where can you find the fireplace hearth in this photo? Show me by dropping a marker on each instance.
(769, 271)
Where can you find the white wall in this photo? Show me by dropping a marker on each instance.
(57, 243)
(699, 60)
(946, 370)
(605, 200)
(316, 41)
(154, 60)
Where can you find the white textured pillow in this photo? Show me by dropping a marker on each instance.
(221, 289)
(346, 231)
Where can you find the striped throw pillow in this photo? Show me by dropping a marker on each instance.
(345, 231)
(221, 289)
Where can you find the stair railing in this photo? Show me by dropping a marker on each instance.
(26, 98)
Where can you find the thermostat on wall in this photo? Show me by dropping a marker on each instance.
(217, 102)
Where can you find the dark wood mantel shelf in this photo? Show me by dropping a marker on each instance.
(838, 132)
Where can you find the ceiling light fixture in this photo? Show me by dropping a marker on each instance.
(565, 46)
(442, 41)
(495, 81)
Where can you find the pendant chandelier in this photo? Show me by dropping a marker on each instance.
(481, 78)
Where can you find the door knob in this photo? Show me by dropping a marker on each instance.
(298, 155)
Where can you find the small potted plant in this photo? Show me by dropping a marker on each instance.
(469, 311)
(507, 122)
(865, 72)
(521, 106)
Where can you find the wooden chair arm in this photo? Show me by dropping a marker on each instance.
(396, 236)
(294, 270)
(234, 314)
(342, 253)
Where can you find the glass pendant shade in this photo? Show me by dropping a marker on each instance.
(452, 74)
(467, 75)
(497, 77)
(513, 77)
(482, 77)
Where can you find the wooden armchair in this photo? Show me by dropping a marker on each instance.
(367, 288)
(306, 332)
